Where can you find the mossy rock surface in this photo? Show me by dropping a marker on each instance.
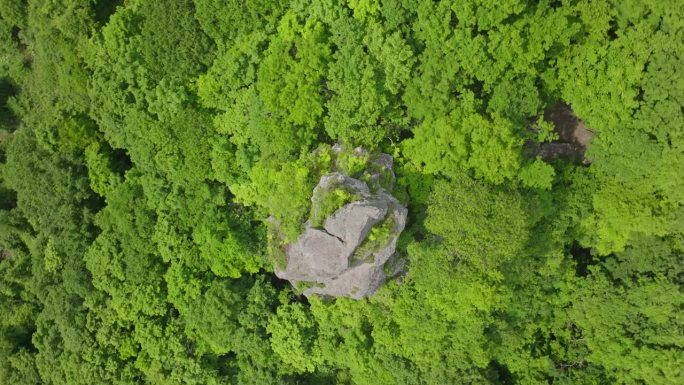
(351, 233)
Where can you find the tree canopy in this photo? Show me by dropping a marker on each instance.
(148, 147)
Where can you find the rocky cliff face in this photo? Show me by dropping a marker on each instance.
(349, 250)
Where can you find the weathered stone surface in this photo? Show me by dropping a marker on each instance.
(385, 160)
(338, 259)
(336, 180)
(306, 259)
(353, 221)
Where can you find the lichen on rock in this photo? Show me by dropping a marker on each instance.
(352, 231)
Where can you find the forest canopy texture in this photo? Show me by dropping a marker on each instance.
(144, 145)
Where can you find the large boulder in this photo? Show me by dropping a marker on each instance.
(348, 250)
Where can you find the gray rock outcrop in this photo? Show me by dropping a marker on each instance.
(351, 252)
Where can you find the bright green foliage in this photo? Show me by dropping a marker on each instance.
(465, 139)
(363, 8)
(486, 231)
(283, 192)
(226, 20)
(329, 202)
(122, 259)
(537, 175)
(629, 306)
(290, 75)
(272, 110)
(352, 163)
(377, 237)
(101, 171)
(369, 69)
(634, 150)
(292, 337)
(155, 155)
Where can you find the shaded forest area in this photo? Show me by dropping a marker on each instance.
(144, 144)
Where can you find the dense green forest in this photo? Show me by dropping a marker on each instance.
(145, 143)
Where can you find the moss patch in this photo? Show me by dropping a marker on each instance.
(302, 286)
(328, 204)
(385, 179)
(377, 238)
